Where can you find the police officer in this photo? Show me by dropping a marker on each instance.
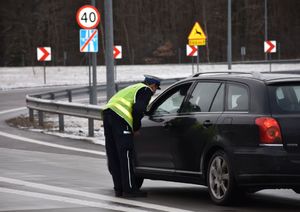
(122, 120)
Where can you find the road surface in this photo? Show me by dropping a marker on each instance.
(44, 173)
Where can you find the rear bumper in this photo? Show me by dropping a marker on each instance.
(267, 167)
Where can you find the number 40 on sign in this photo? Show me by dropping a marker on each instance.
(88, 17)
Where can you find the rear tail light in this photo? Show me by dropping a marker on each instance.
(269, 130)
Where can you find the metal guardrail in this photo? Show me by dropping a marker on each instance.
(64, 108)
(46, 102)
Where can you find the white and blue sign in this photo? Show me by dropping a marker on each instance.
(88, 40)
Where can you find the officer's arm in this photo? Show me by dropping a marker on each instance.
(142, 99)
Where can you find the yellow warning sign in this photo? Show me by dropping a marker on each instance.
(197, 37)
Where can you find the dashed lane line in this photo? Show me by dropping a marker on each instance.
(70, 200)
(12, 110)
(89, 195)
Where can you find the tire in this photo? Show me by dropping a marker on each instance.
(139, 182)
(220, 180)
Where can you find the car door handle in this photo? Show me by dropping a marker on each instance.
(207, 123)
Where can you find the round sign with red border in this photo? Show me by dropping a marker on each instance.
(88, 17)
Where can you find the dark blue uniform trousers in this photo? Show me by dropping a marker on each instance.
(119, 148)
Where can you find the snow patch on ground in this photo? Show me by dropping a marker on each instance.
(24, 77)
(77, 128)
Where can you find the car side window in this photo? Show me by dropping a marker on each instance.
(201, 97)
(237, 98)
(172, 100)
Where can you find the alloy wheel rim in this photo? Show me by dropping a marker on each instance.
(219, 177)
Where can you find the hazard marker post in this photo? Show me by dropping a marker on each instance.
(270, 47)
(192, 51)
(44, 54)
(117, 52)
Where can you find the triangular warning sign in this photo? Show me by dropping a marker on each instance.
(197, 32)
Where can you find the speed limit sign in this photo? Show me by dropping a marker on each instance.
(88, 17)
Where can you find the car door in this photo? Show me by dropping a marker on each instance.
(195, 125)
(152, 146)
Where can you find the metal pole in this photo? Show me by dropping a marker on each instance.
(278, 47)
(197, 59)
(61, 122)
(115, 75)
(179, 55)
(45, 81)
(270, 62)
(93, 89)
(266, 25)
(31, 115)
(109, 43)
(94, 62)
(229, 38)
(41, 118)
(94, 59)
(65, 58)
(90, 75)
(193, 65)
(94, 94)
(70, 95)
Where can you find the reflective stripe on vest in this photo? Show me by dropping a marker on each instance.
(122, 102)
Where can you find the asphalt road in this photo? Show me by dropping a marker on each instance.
(44, 173)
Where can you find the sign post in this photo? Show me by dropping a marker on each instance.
(109, 45)
(197, 38)
(117, 55)
(44, 54)
(88, 18)
(270, 47)
(192, 51)
(243, 52)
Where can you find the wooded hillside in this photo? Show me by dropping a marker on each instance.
(150, 31)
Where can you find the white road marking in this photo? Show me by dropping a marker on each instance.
(70, 200)
(12, 110)
(29, 140)
(90, 195)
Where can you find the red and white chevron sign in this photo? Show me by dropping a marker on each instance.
(117, 52)
(270, 46)
(191, 51)
(44, 53)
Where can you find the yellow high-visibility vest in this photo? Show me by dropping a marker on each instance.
(122, 102)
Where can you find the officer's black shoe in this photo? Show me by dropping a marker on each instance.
(118, 193)
(134, 194)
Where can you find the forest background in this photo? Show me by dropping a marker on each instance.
(149, 31)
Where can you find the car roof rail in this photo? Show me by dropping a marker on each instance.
(255, 74)
(283, 72)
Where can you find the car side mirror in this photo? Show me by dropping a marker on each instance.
(148, 110)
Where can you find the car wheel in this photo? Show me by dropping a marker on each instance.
(139, 182)
(220, 179)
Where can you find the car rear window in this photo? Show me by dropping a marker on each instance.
(285, 98)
